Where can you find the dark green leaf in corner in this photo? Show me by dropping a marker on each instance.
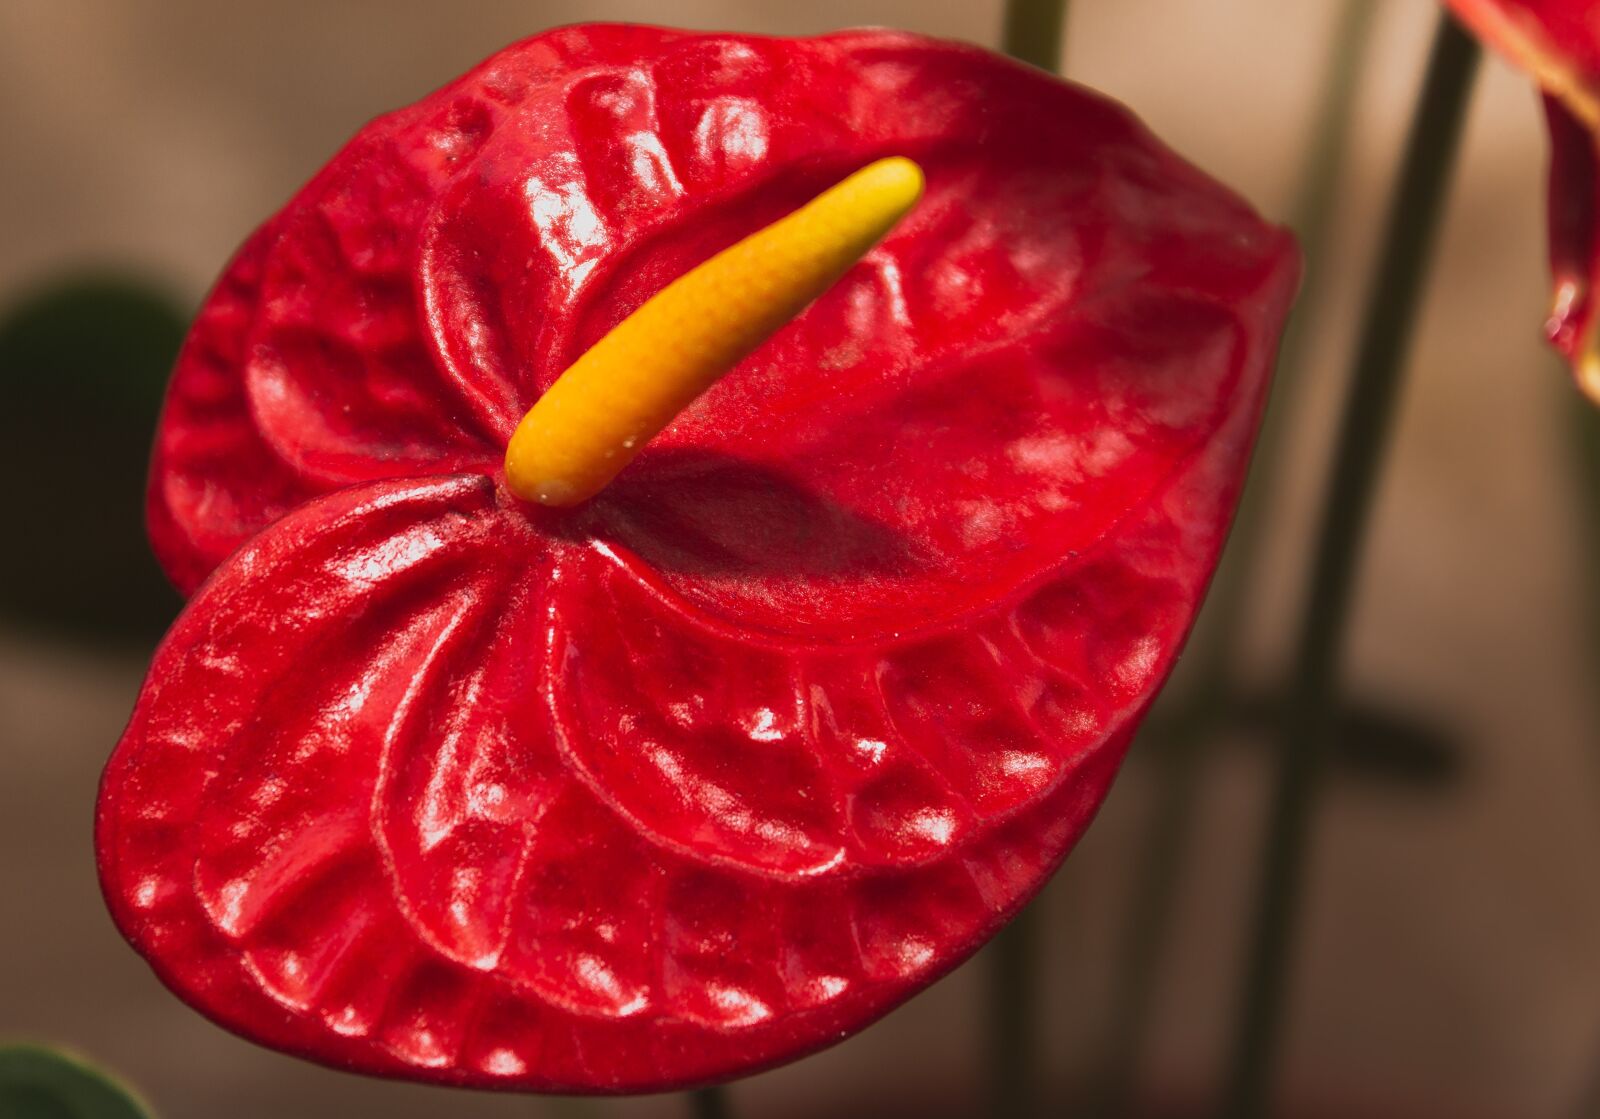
(39, 1083)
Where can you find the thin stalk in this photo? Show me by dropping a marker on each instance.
(1214, 648)
(1149, 927)
(1414, 217)
(710, 1103)
(1312, 220)
(1585, 429)
(1585, 426)
(1013, 1056)
(1033, 30)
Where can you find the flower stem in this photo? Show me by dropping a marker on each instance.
(1181, 757)
(1033, 31)
(1013, 1053)
(1585, 460)
(1368, 416)
(1311, 220)
(710, 1103)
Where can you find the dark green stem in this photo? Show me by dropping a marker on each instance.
(1585, 427)
(1149, 923)
(1312, 218)
(1363, 434)
(1032, 32)
(710, 1103)
(1203, 701)
(1012, 1034)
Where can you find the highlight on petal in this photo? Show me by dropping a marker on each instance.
(349, 817)
(408, 306)
(419, 789)
(795, 714)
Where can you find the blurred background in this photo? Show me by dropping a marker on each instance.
(1447, 961)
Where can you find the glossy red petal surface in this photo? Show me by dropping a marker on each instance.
(1558, 43)
(1557, 40)
(419, 788)
(723, 765)
(406, 308)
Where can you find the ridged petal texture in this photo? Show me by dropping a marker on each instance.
(1558, 43)
(723, 765)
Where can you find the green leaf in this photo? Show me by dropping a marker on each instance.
(83, 360)
(93, 342)
(39, 1083)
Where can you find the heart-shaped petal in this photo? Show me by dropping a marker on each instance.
(419, 787)
(410, 304)
(726, 763)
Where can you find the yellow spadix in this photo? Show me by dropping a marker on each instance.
(630, 384)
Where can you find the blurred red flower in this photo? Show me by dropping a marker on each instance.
(1558, 43)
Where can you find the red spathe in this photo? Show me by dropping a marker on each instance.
(722, 766)
(1558, 43)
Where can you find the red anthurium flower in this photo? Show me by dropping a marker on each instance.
(719, 766)
(1558, 42)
